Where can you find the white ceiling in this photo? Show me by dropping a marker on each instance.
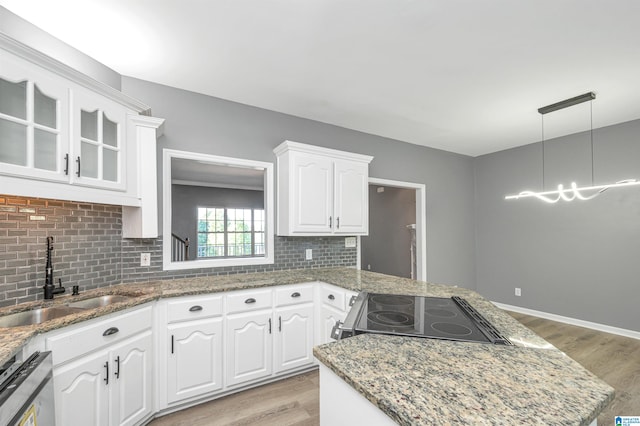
(462, 75)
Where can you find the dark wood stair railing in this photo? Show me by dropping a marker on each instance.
(179, 248)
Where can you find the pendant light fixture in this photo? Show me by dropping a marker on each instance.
(573, 192)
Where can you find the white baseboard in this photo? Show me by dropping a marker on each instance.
(573, 321)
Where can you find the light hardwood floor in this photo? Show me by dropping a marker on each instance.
(615, 359)
(294, 402)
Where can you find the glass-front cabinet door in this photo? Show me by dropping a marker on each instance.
(33, 123)
(98, 141)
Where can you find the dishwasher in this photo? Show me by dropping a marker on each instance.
(26, 391)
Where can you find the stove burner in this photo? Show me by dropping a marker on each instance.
(392, 301)
(442, 313)
(390, 318)
(451, 328)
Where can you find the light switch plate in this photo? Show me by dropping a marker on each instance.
(145, 259)
(350, 241)
(308, 254)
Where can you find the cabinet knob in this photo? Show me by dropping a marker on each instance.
(331, 297)
(195, 308)
(110, 331)
(250, 300)
(296, 294)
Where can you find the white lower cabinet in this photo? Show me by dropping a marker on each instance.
(328, 318)
(294, 337)
(194, 364)
(81, 394)
(249, 347)
(205, 346)
(333, 305)
(103, 370)
(132, 392)
(110, 387)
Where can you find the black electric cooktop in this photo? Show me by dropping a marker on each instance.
(418, 316)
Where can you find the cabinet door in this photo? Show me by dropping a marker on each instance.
(328, 317)
(293, 337)
(194, 359)
(312, 193)
(33, 121)
(81, 391)
(98, 139)
(132, 380)
(249, 347)
(351, 198)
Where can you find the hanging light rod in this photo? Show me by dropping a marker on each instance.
(567, 103)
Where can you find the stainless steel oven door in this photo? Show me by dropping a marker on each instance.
(342, 330)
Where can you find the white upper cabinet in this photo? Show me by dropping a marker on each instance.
(321, 191)
(34, 124)
(98, 138)
(66, 136)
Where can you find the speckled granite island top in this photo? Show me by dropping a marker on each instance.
(408, 378)
(430, 382)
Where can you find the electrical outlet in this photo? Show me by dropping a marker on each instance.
(308, 254)
(350, 242)
(518, 291)
(145, 259)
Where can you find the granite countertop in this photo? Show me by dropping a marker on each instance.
(531, 379)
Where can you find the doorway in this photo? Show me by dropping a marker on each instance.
(396, 244)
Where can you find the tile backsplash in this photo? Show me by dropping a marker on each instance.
(89, 250)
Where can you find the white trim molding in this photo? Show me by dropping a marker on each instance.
(572, 321)
(53, 65)
(268, 258)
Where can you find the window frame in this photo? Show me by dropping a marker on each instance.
(226, 232)
(269, 220)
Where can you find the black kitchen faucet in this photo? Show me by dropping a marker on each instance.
(49, 288)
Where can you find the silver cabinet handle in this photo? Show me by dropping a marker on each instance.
(331, 297)
(338, 222)
(269, 325)
(195, 308)
(296, 294)
(250, 300)
(330, 222)
(106, 377)
(279, 323)
(78, 161)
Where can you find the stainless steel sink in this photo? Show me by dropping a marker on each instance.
(36, 316)
(100, 301)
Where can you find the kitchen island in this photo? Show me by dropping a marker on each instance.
(411, 380)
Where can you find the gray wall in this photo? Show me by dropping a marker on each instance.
(576, 259)
(387, 249)
(27, 33)
(200, 123)
(186, 200)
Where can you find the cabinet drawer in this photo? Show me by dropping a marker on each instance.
(249, 300)
(333, 297)
(292, 294)
(100, 332)
(188, 308)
